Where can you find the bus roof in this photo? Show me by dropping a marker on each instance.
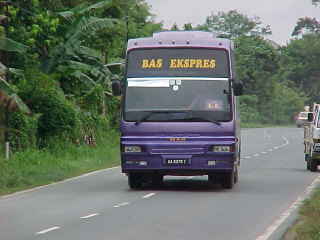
(181, 39)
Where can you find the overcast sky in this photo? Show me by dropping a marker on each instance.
(282, 15)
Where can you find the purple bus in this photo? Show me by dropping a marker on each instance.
(179, 111)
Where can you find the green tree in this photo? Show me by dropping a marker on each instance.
(257, 63)
(187, 27)
(315, 2)
(306, 25)
(175, 27)
(233, 24)
(300, 64)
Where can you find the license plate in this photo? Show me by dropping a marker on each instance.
(177, 162)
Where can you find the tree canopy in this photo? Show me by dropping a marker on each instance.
(233, 24)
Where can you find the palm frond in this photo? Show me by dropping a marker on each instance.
(93, 74)
(7, 44)
(84, 78)
(84, 8)
(83, 26)
(16, 71)
(5, 87)
(9, 94)
(20, 104)
(89, 52)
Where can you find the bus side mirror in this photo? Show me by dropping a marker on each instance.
(116, 88)
(310, 117)
(238, 88)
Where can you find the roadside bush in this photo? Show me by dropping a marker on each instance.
(285, 103)
(22, 131)
(58, 116)
(248, 109)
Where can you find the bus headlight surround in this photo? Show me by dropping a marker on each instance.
(132, 149)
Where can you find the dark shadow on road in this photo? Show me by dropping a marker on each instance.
(186, 185)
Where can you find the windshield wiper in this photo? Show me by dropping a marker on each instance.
(146, 117)
(203, 119)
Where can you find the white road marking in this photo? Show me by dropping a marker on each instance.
(90, 216)
(256, 155)
(148, 195)
(263, 152)
(294, 206)
(121, 205)
(275, 148)
(266, 134)
(48, 230)
(247, 157)
(270, 150)
(286, 140)
(56, 183)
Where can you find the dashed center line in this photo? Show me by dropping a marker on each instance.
(148, 195)
(48, 230)
(90, 216)
(275, 147)
(121, 205)
(263, 152)
(256, 155)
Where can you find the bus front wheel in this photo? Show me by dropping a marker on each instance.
(313, 165)
(228, 180)
(135, 180)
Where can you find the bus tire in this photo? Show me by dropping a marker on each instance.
(135, 180)
(157, 180)
(213, 178)
(228, 180)
(313, 165)
(236, 176)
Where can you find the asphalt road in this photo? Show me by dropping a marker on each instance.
(100, 206)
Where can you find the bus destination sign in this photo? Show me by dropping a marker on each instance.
(178, 62)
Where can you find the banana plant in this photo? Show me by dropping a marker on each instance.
(81, 24)
(9, 98)
(74, 58)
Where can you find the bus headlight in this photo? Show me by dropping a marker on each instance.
(132, 149)
(222, 148)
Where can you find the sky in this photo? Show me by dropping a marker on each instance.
(282, 15)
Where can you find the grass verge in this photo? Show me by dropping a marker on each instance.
(308, 225)
(33, 167)
(262, 125)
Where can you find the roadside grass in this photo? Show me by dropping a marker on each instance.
(308, 225)
(262, 125)
(35, 167)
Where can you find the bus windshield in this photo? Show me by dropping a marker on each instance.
(175, 99)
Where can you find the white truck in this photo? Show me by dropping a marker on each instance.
(312, 139)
